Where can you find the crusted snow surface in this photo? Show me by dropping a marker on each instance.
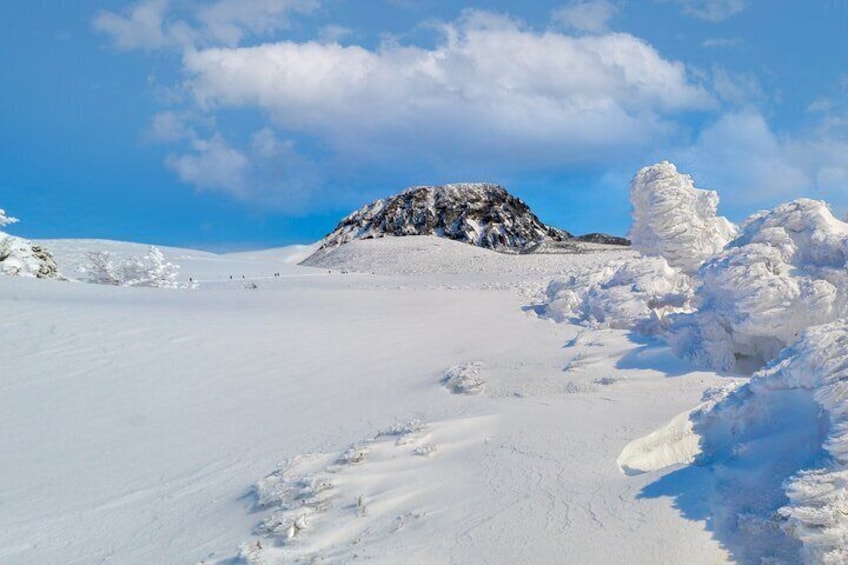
(630, 293)
(785, 272)
(675, 220)
(481, 214)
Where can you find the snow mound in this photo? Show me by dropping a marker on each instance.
(464, 379)
(675, 220)
(481, 214)
(22, 258)
(623, 294)
(785, 272)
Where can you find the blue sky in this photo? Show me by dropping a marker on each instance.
(248, 123)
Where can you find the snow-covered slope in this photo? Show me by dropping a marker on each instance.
(427, 255)
(675, 220)
(481, 214)
(180, 426)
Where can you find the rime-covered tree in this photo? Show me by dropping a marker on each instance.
(675, 220)
(148, 270)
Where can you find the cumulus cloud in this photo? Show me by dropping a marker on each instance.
(157, 24)
(589, 16)
(711, 10)
(565, 99)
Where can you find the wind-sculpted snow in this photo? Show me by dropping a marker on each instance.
(675, 220)
(19, 257)
(623, 294)
(481, 214)
(785, 272)
(778, 451)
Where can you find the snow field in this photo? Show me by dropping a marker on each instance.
(158, 409)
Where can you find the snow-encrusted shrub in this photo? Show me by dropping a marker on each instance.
(22, 258)
(785, 272)
(675, 220)
(624, 294)
(791, 416)
(149, 270)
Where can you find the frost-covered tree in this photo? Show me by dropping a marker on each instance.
(675, 220)
(787, 271)
(22, 258)
(148, 270)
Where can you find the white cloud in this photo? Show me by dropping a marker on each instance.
(170, 126)
(228, 20)
(564, 100)
(269, 171)
(590, 16)
(737, 89)
(139, 27)
(711, 10)
(157, 24)
(753, 167)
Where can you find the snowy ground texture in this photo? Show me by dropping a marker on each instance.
(419, 400)
(312, 418)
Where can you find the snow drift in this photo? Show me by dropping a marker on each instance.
(675, 220)
(784, 273)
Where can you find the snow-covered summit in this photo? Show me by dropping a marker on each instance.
(481, 214)
(675, 220)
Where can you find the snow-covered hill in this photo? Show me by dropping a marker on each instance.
(516, 407)
(482, 214)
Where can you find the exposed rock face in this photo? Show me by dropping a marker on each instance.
(603, 238)
(481, 214)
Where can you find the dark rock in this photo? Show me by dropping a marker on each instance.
(603, 238)
(480, 214)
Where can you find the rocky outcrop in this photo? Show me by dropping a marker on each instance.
(481, 214)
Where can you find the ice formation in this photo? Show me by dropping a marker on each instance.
(623, 294)
(675, 220)
(785, 272)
